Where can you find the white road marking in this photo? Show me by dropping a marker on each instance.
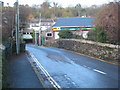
(65, 75)
(73, 83)
(88, 67)
(95, 70)
(51, 80)
(68, 78)
(99, 71)
(84, 66)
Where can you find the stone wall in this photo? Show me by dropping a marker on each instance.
(90, 48)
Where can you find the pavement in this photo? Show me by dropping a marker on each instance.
(21, 74)
(72, 70)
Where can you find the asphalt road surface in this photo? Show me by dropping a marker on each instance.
(72, 70)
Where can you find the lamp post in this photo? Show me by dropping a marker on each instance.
(1, 5)
(35, 37)
(40, 30)
(17, 28)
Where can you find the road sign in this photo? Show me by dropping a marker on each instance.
(56, 28)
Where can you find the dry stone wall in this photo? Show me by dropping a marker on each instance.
(94, 49)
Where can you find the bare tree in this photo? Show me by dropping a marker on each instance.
(107, 19)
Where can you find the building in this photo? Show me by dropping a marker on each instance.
(78, 26)
(41, 27)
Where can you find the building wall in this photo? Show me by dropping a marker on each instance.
(56, 36)
(36, 27)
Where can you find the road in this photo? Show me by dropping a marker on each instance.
(72, 70)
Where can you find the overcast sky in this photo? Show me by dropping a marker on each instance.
(63, 3)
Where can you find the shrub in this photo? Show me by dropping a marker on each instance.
(77, 36)
(65, 34)
(92, 35)
(97, 35)
(22, 47)
(101, 35)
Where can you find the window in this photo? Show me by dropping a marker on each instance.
(49, 34)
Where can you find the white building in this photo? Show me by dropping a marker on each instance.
(43, 26)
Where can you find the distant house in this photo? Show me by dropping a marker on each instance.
(27, 35)
(78, 25)
(44, 26)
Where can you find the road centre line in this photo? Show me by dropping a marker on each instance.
(84, 66)
(88, 67)
(51, 80)
(73, 83)
(94, 69)
(68, 78)
(99, 71)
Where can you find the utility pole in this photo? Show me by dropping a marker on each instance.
(1, 6)
(79, 13)
(17, 28)
(40, 30)
(35, 37)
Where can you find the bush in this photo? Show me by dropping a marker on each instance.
(65, 34)
(4, 73)
(10, 48)
(5, 54)
(97, 35)
(22, 47)
(92, 35)
(101, 35)
(77, 36)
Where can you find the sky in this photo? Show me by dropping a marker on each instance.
(63, 3)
